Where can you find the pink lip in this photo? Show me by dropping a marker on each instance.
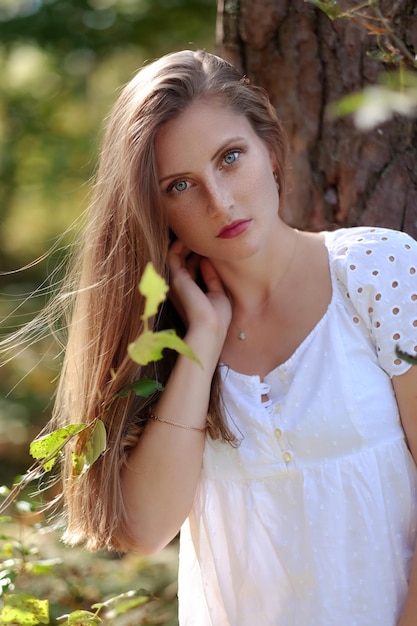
(234, 229)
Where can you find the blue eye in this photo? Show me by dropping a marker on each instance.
(231, 157)
(178, 185)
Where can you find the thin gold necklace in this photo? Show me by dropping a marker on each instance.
(242, 334)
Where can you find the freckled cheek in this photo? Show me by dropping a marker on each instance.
(184, 222)
(253, 185)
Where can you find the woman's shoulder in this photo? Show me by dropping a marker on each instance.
(367, 240)
(371, 252)
(376, 271)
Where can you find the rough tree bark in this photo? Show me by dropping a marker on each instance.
(338, 175)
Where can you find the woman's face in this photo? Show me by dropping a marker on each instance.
(216, 180)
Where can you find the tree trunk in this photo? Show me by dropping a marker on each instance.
(338, 176)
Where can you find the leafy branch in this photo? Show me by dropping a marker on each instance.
(115, 606)
(375, 23)
(27, 610)
(396, 92)
(149, 346)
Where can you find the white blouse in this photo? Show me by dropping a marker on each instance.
(311, 520)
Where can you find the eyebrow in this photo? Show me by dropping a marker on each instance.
(219, 150)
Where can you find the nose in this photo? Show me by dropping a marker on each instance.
(219, 197)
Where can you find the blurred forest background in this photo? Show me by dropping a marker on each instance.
(62, 63)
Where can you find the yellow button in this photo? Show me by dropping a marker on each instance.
(278, 433)
(287, 456)
(277, 408)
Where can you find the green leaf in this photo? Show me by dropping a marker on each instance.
(94, 446)
(408, 358)
(45, 566)
(124, 602)
(329, 7)
(143, 387)
(49, 447)
(153, 287)
(376, 104)
(347, 105)
(25, 610)
(149, 346)
(121, 597)
(78, 463)
(96, 443)
(81, 618)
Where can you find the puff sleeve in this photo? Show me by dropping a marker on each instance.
(378, 269)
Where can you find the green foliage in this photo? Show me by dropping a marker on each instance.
(82, 618)
(396, 92)
(49, 447)
(24, 609)
(375, 104)
(143, 387)
(154, 289)
(124, 602)
(94, 446)
(149, 345)
(74, 581)
(116, 606)
(101, 25)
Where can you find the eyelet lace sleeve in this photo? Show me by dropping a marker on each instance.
(378, 270)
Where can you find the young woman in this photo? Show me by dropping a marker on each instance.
(288, 459)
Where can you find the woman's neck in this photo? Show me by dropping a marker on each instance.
(253, 283)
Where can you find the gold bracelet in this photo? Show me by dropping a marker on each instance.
(160, 419)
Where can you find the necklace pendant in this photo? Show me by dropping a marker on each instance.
(242, 335)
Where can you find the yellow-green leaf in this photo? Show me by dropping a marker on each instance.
(24, 609)
(149, 346)
(96, 443)
(44, 566)
(49, 446)
(78, 463)
(153, 287)
(80, 618)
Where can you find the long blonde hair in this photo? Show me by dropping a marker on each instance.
(126, 228)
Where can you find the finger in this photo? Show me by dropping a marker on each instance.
(177, 255)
